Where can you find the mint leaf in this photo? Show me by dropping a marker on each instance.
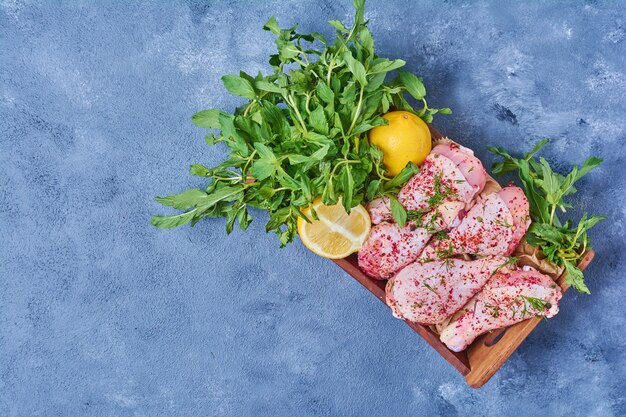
(338, 25)
(545, 190)
(318, 121)
(384, 65)
(324, 92)
(575, 278)
(210, 139)
(413, 84)
(265, 85)
(168, 222)
(298, 159)
(356, 68)
(591, 163)
(199, 170)
(267, 165)
(367, 42)
(347, 182)
(321, 153)
(186, 199)
(402, 177)
(263, 169)
(208, 119)
(397, 211)
(272, 26)
(239, 86)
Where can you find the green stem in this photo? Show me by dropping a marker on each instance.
(245, 112)
(226, 179)
(344, 161)
(358, 111)
(330, 70)
(381, 175)
(293, 105)
(306, 59)
(299, 62)
(245, 168)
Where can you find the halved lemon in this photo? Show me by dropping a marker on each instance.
(336, 234)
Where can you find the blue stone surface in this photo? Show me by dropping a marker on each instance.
(103, 315)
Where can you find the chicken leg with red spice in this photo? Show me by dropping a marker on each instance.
(429, 292)
(506, 299)
(494, 226)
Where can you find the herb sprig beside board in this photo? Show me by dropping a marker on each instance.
(561, 241)
(302, 132)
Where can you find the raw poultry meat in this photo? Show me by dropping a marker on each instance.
(390, 247)
(506, 299)
(450, 173)
(494, 226)
(429, 292)
(448, 180)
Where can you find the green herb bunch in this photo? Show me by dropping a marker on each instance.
(563, 243)
(302, 132)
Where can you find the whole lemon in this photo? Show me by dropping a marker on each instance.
(405, 139)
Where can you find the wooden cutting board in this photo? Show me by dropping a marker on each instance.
(482, 359)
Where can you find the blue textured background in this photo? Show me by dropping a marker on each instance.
(100, 314)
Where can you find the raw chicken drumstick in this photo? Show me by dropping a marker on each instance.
(506, 299)
(429, 292)
(492, 227)
(389, 247)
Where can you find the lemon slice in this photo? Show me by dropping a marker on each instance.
(336, 234)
